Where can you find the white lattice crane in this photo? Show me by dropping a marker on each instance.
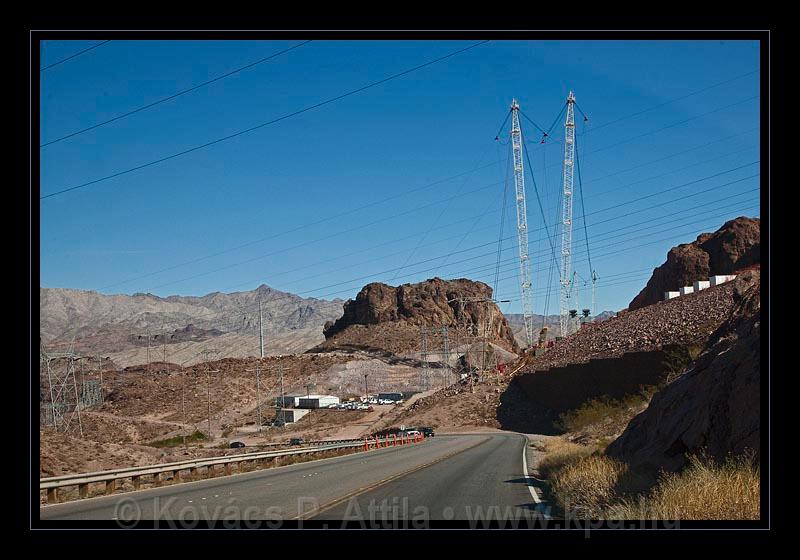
(522, 225)
(566, 215)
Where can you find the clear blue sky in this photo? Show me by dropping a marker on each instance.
(424, 127)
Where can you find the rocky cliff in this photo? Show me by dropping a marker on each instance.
(736, 245)
(433, 303)
(715, 406)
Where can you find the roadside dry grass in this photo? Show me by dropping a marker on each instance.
(587, 484)
(704, 490)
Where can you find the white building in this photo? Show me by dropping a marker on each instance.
(317, 401)
(289, 401)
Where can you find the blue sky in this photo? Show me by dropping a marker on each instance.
(276, 204)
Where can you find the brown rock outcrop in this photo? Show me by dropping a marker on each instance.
(715, 406)
(734, 246)
(434, 302)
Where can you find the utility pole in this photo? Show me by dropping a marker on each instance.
(283, 414)
(366, 387)
(183, 407)
(149, 336)
(100, 369)
(260, 328)
(209, 371)
(566, 214)
(257, 371)
(526, 285)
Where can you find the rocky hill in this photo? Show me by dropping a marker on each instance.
(388, 317)
(734, 246)
(713, 407)
(118, 325)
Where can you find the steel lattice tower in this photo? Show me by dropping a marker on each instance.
(566, 214)
(424, 358)
(65, 404)
(522, 225)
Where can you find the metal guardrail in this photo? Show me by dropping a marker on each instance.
(110, 477)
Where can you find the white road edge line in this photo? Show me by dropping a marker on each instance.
(528, 478)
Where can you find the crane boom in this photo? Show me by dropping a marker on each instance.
(566, 214)
(522, 225)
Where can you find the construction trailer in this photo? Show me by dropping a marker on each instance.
(317, 401)
(391, 396)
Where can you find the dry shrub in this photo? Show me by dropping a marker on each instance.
(559, 453)
(706, 489)
(587, 486)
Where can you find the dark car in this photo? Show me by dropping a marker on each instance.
(297, 441)
(236, 444)
(427, 431)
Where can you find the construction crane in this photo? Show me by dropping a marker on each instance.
(522, 225)
(566, 215)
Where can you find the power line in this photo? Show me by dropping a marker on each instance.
(512, 264)
(282, 233)
(670, 172)
(262, 125)
(174, 95)
(511, 260)
(305, 243)
(636, 114)
(583, 208)
(538, 229)
(613, 218)
(74, 55)
(393, 197)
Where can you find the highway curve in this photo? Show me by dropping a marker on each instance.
(461, 477)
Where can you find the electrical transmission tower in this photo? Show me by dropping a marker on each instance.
(64, 408)
(566, 214)
(445, 357)
(522, 225)
(423, 354)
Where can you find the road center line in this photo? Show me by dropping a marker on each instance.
(392, 478)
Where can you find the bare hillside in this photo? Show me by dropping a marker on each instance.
(119, 325)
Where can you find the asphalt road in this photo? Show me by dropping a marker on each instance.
(462, 477)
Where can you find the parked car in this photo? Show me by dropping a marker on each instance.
(297, 441)
(427, 431)
(236, 444)
(412, 433)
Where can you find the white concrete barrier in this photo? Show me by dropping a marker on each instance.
(701, 285)
(686, 290)
(671, 295)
